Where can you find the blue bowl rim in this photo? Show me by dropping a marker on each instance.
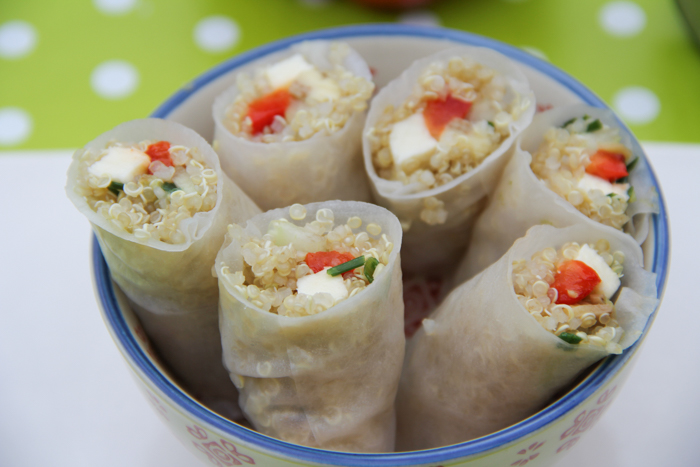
(559, 408)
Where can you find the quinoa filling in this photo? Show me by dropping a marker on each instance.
(301, 271)
(461, 112)
(569, 298)
(293, 100)
(585, 163)
(148, 188)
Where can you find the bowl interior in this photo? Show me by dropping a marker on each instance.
(388, 49)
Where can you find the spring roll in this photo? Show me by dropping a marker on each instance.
(435, 142)
(572, 165)
(159, 204)
(289, 130)
(311, 322)
(504, 343)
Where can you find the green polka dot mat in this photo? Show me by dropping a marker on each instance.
(73, 69)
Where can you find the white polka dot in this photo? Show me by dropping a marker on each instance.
(216, 34)
(15, 126)
(114, 7)
(17, 39)
(420, 18)
(637, 105)
(535, 51)
(622, 18)
(114, 79)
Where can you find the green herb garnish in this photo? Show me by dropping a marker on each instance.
(116, 187)
(370, 265)
(631, 194)
(347, 266)
(631, 165)
(170, 187)
(491, 123)
(570, 338)
(611, 195)
(595, 125)
(568, 122)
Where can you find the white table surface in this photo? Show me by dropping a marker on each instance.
(67, 397)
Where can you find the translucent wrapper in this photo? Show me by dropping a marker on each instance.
(483, 363)
(439, 246)
(320, 168)
(522, 200)
(171, 287)
(327, 380)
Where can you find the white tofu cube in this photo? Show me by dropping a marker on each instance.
(609, 281)
(322, 282)
(122, 165)
(283, 73)
(321, 89)
(591, 182)
(410, 141)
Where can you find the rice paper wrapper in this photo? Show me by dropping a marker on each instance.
(521, 200)
(328, 380)
(171, 287)
(432, 247)
(483, 363)
(323, 167)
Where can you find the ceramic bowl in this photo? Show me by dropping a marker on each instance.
(544, 437)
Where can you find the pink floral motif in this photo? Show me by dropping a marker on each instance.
(606, 395)
(157, 405)
(232, 448)
(420, 297)
(220, 453)
(197, 432)
(529, 453)
(586, 419)
(543, 107)
(568, 445)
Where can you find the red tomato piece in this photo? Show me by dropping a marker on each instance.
(438, 113)
(263, 111)
(326, 259)
(574, 281)
(160, 151)
(607, 165)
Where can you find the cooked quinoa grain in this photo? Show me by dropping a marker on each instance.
(591, 320)
(151, 205)
(464, 142)
(562, 159)
(273, 266)
(322, 101)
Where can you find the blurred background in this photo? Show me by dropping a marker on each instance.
(73, 69)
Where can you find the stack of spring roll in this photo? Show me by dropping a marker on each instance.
(293, 317)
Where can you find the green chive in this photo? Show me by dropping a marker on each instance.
(595, 125)
(491, 123)
(631, 194)
(116, 187)
(170, 187)
(370, 266)
(631, 165)
(611, 195)
(347, 266)
(568, 122)
(570, 338)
